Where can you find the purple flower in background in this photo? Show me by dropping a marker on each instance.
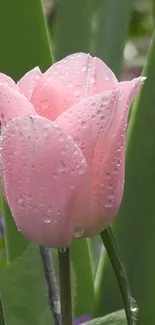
(82, 319)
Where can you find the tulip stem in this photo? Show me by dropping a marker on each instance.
(65, 286)
(120, 272)
(2, 321)
(53, 297)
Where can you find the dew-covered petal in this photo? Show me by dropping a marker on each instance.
(8, 81)
(13, 104)
(42, 167)
(69, 81)
(29, 81)
(87, 121)
(130, 89)
(109, 158)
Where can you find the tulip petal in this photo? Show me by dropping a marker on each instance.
(29, 81)
(68, 81)
(87, 120)
(42, 167)
(130, 89)
(13, 104)
(109, 158)
(87, 123)
(6, 80)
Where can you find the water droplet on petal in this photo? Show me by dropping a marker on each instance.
(84, 124)
(47, 219)
(61, 138)
(78, 232)
(81, 170)
(62, 166)
(84, 68)
(54, 175)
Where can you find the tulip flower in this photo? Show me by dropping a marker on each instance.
(63, 148)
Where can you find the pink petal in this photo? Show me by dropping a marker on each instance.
(130, 89)
(87, 123)
(29, 81)
(106, 176)
(13, 104)
(4, 79)
(42, 168)
(109, 158)
(70, 80)
(87, 120)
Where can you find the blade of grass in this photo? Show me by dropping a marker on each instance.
(112, 30)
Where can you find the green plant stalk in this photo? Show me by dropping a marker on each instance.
(65, 286)
(51, 282)
(119, 269)
(2, 320)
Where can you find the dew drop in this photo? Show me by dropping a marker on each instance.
(55, 175)
(49, 210)
(62, 250)
(108, 205)
(63, 151)
(78, 232)
(84, 68)
(81, 170)
(62, 166)
(92, 80)
(99, 112)
(47, 219)
(84, 124)
(61, 138)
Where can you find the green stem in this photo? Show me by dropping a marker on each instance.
(53, 298)
(2, 321)
(119, 269)
(65, 286)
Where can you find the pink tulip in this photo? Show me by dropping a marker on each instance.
(62, 148)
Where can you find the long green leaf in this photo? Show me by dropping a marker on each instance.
(135, 225)
(24, 44)
(117, 318)
(15, 242)
(112, 30)
(23, 37)
(23, 291)
(73, 27)
(84, 284)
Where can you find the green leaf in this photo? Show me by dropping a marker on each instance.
(117, 318)
(84, 284)
(23, 291)
(23, 37)
(135, 224)
(112, 30)
(15, 242)
(120, 272)
(24, 44)
(73, 27)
